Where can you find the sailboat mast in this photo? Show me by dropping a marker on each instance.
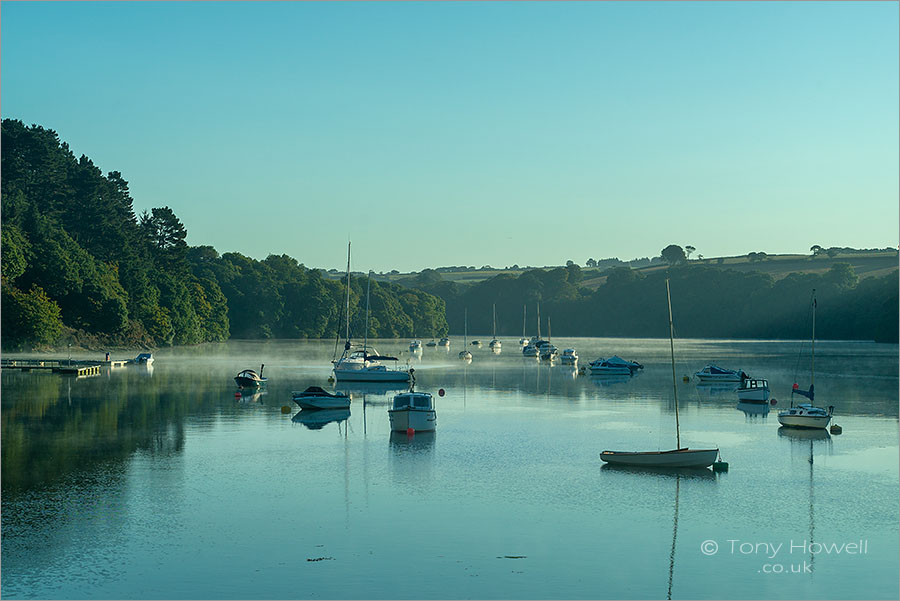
(348, 291)
(672, 349)
(466, 328)
(495, 321)
(539, 320)
(524, 313)
(813, 369)
(368, 286)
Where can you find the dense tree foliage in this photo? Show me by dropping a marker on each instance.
(78, 262)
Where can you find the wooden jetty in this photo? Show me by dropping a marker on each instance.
(57, 366)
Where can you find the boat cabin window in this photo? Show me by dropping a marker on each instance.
(401, 401)
(421, 402)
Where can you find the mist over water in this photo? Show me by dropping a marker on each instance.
(168, 483)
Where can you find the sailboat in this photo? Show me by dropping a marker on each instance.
(533, 348)
(495, 344)
(678, 457)
(364, 365)
(464, 354)
(805, 415)
(548, 351)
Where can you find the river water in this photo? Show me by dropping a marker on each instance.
(165, 483)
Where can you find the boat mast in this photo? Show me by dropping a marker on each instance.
(466, 329)
(672, 348)
(368, 285)
(539, 320)
(524, 313)
(495, 321)
(812, 381)
(348, 294)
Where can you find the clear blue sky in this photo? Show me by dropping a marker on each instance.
(436, 134)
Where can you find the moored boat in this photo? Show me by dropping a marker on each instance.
(413, 410)
(569, 357)
(753, 391)
(714, 373)
(316, 397)
(248, 378)
(678, 457)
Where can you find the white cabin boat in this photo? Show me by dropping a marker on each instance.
(753, 391)
(415, 346)
(315, 397)
(569, 357)
(413, 410)
(444, 342)
(366, 365)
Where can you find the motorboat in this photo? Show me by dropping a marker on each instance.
(316, 397)
(413, 410)
(714, 373)
(431, 343)
(678, 457)
(415, 346)
(569, 357)
(444, 342)
(531, 351)
(250, 379)
(805, 415)
(143, 359)
(615, 365)
(753, 391)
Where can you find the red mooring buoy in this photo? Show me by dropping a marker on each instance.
(774, 401)
(441, 392)
(410, 432)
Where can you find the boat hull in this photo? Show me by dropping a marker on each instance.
(811, 422)
(753, 395)
(248, 382)
(676, 458)
(597, 370)
(417, 419)
(365, 375)
(717, 378)
(322, 402)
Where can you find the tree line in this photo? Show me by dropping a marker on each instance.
(707, 301)
(79, 266)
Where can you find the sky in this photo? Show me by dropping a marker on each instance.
(464, 133)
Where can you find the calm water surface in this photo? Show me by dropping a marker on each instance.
(163, 483)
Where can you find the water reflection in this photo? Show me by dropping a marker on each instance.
(754, 410)
(251, 396)
(316, 419)
(609, 380)
(804, 441)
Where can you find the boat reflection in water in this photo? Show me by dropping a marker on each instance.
(403, 444)
(250, 395)
(754, 410)
(609, 380)
(691, 476)
(803, 441)
(316, 419)
(371, 392)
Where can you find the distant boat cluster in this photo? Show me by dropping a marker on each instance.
(414, 411)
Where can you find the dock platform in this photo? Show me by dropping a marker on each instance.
(57, 366)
